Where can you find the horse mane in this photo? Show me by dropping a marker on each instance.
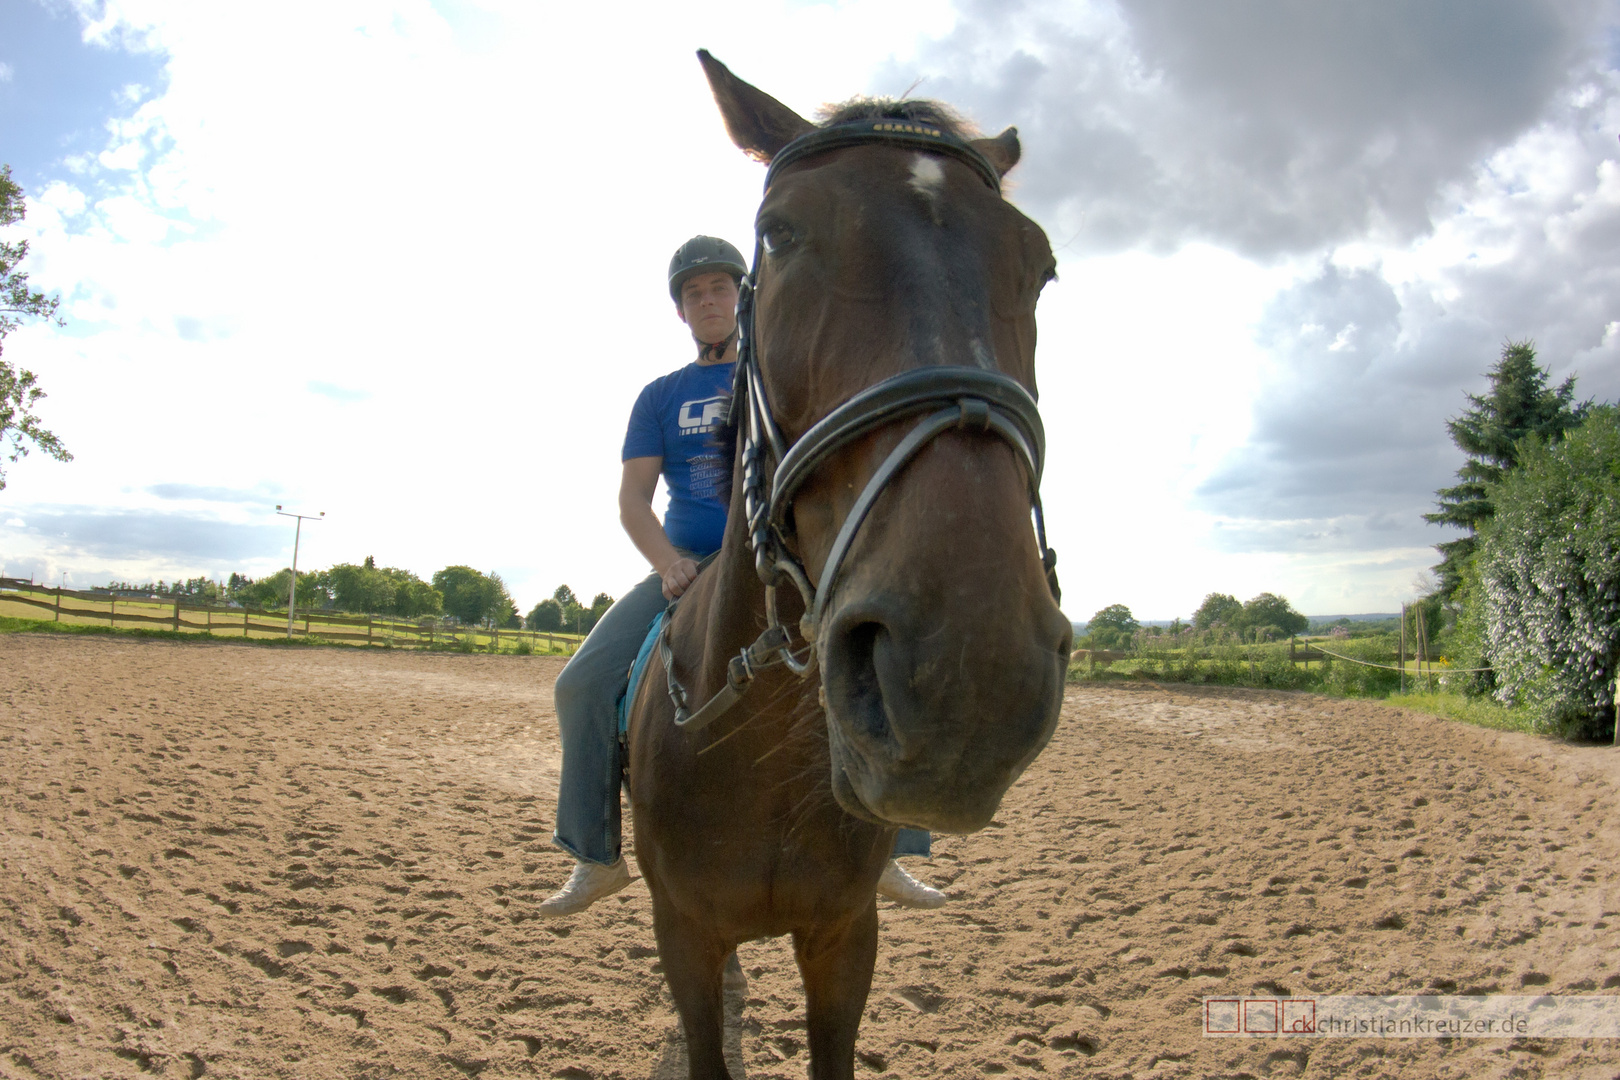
(724, 439)
(915, 110)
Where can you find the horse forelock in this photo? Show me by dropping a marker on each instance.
(916, 110)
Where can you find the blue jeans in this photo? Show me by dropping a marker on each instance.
(587, 698)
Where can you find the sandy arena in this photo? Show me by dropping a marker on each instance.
(233, 861)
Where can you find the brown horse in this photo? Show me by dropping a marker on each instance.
(884, 263)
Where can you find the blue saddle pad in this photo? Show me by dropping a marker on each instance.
(636, 670)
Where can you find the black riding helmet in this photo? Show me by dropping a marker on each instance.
(703, 255)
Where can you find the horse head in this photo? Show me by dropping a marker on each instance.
(942, 649)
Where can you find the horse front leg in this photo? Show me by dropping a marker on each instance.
(693, 962)
(836, 965)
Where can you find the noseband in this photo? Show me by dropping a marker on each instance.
(947, 398)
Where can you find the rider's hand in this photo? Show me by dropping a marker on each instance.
(677, 576)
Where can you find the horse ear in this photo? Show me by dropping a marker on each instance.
(758, 123)
(1002, 151)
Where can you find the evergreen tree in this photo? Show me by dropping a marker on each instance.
(1519, 403)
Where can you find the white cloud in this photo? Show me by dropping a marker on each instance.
(333, 196)
(1278, 271)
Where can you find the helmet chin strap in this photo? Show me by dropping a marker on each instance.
(715, 351)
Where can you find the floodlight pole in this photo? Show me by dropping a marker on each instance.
(292, 586)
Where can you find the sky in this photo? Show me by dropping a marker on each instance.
(403, 262)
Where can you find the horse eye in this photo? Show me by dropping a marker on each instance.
(775, 236)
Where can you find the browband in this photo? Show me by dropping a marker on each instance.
(893, 132)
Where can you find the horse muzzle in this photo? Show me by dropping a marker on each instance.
(930, 729)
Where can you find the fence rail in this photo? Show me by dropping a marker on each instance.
(180, 616)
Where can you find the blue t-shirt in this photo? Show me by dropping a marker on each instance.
(675, 418)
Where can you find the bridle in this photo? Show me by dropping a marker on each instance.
(946, 397)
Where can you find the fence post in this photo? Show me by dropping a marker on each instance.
(112, 611)
(1423, 651)
(1401, 658)
(57, 617)
(209, 616)
(177, 614)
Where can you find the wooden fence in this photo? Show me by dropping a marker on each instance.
(73, 607)
(1297, 653)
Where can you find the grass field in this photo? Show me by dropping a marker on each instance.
(1269, 666)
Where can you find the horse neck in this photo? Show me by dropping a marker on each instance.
(732, 616)
(737, 606)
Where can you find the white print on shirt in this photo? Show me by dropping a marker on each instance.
(708, 470)
(702, 417)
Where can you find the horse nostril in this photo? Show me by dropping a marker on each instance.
(865, 696)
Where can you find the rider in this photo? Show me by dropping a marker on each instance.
(670, 435)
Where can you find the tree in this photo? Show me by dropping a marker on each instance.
(271, 592)
(413, 597)
(381, 591)
(1269, 609)
(547, 615)
(1519, 404)
(361, 588)
(470, 596)
(564, 596)
(1217, 608)
(19, 389)
(1113, 625)
(474, 598)
(502, 611)
(1549, 577)
(593, 614)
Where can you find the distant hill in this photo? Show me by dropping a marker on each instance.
(1353, 618)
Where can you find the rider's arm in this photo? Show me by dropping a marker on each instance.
(636, 489)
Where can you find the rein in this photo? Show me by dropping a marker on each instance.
(973, 399)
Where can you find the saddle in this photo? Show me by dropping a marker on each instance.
(639, 668)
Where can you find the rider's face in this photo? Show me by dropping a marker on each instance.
(709, 306)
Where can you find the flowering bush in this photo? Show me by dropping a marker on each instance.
(1549, 578)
